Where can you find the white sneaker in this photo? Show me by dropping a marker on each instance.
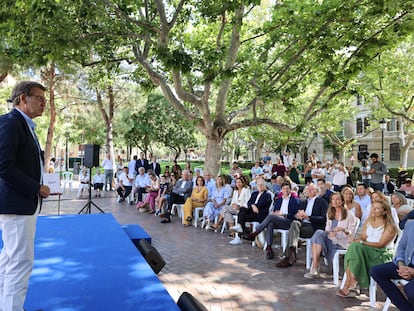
(312, 274)
(236, 241)
(237, 228)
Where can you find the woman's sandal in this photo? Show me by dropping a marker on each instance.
(351, 294)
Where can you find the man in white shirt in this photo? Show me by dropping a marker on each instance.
(317, 172)
(142, 181)
(125, 185)
(108, 166)
(98, 183)
(339, 176)
(131, 166)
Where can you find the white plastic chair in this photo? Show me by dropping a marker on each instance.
(177, 209)
(372, 283)
(67, 179)
(335, 260)
(196, 215)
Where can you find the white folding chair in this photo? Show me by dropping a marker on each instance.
(177, 209)
(372, 283)
(67, 179)
(339, 252)
(196, 215)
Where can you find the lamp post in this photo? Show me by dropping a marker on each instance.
(383, 126)
(67, 151)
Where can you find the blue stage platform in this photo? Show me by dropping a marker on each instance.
(87, 263)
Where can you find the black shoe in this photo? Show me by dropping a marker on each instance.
(166, 221)
(270, 254)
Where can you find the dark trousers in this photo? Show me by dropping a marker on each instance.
(140, 191)
(121, 192)
(271, 222)
(245, 215)
(383, 274)
(175, 199)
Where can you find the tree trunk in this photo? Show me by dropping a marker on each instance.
(50, 77)
(213, 156)
(259, 148)
(3, 76)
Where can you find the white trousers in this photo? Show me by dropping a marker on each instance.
(16, 259)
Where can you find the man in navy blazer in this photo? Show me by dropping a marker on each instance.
(141, 162)
(155, 166)
(284, 211)
(310, 217)
(402, 267)
(257, 207)
(21, 166)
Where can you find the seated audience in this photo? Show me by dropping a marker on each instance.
(141, 183)
(256, 170)
(389, 186)
(284, 211)
(349, 202)
(380, 196)
(294, 172)
(399, 202)
(402, 267)
(98, 183)
(152, 191)
(83, 182)
(241, 196)
(372, 248)
(279, 169)
(310, 217)
(125, 185)
(218, 200)
(339, 230)
(198, 198)
(181, 191)
(325, 191)
(257, 209)
(163, 194)
(407, 188)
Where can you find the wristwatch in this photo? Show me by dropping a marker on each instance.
(361, 241)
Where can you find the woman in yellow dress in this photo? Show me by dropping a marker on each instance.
(198, 198)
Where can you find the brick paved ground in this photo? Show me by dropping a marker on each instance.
(219, 275)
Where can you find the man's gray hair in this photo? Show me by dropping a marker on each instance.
(24, 87)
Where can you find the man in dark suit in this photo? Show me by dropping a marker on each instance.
(284, 211)
(257, 208)
(155, 166)
(402, 267)
(182, 190)
(310, 217)
(21, 166)
(141, 162)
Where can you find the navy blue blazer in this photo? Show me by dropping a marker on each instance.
(405, 249)
(293, 207)
(319, 210)
(263, 204)
(20, 170)
(139, 164)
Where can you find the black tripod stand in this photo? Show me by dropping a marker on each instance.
(87, 208)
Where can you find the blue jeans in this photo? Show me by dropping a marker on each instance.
(383, 274)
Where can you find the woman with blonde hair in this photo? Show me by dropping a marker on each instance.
(374, 247)
(350, 203)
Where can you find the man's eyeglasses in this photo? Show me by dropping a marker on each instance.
(39, 98)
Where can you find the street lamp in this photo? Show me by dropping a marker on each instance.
(67, 151)
(383, 126)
